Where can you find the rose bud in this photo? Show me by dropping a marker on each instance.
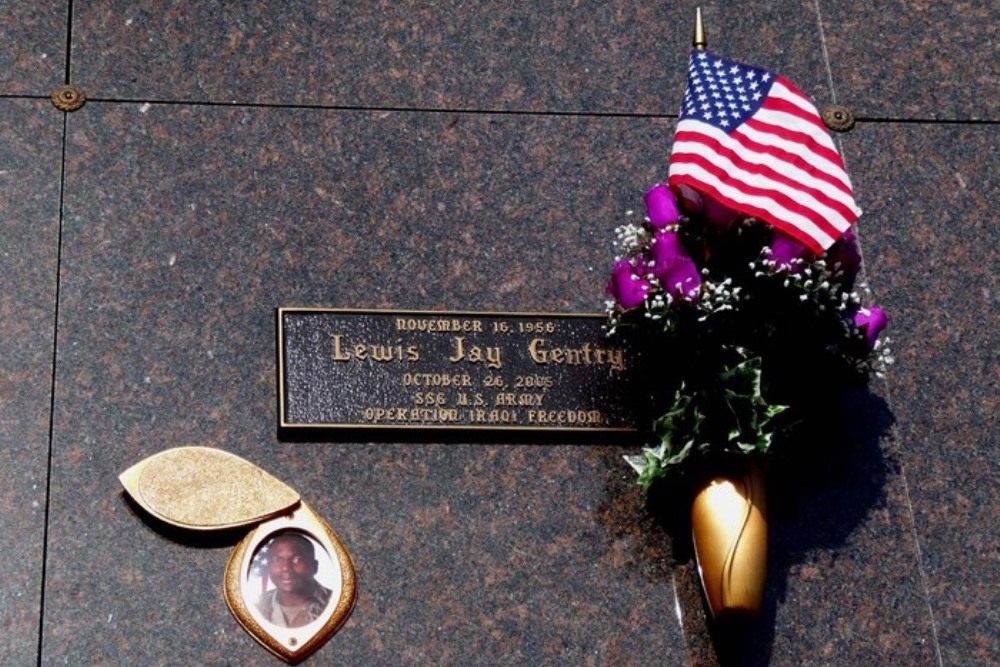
(661, 207)
(718, 214)
(785, 250)
(627, 287)
(871, 322)
(845, 252)
(672, 266)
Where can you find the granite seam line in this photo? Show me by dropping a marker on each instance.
(924, 584)
(52, 396)
(910, 515)
(497, 112)
(680, 618)
(470, 111)
(926, 121)
(391, 109)
(826, 57)
(55, 352)
(69, 42)
(8, 96)
(906, 487)
(918, 554)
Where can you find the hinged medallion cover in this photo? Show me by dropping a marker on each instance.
(201, 488)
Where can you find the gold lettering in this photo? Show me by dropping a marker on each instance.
(434, 325)
(459, 350)
(539, 356)
(374, 351)
(566, 417)
(616, 357)
(575, 356)
(511, 399)
(338, 354)
(418, 415)
(476, 354)
(493, 357)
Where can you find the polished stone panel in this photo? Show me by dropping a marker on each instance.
(932, 248)
(30, 153)
(592, 56)
(907, 59)
(186, 227)
(33, 57)
(188, 220)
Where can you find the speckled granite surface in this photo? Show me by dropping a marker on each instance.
(934, 264)
(30, 153)
(919, 59)
(464, 551)
(33, 57)
(185, 224)
(590, 56)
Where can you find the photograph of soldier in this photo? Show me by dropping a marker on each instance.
(288, 560)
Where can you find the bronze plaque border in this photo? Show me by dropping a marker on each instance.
(311, 431)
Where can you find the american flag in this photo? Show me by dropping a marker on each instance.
(754, 142)
(258, 567)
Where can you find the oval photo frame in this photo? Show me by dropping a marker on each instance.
(324, 574)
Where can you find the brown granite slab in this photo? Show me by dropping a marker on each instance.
(932, 247)
(30, 152)
(185, 227)
(915, 60)
(590, 56)
(33, 57)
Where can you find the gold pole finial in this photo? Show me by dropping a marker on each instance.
(698, 41)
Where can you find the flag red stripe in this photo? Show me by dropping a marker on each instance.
(767, 168)
(815, 245)
(820, 169)
(785, 91)
(738, 182)
(785, 106)
(820, 151)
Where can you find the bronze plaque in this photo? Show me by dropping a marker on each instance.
(413, 370)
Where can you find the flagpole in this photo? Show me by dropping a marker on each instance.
(698, 41)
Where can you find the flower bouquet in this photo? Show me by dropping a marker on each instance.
(740, 286)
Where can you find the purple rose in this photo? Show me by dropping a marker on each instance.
(661, 207)
(718, 214)
(672, 266)
(785, 249)
(627, 287)
(845, 252)
(871, 322)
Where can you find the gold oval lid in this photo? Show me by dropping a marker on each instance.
(201, 488)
